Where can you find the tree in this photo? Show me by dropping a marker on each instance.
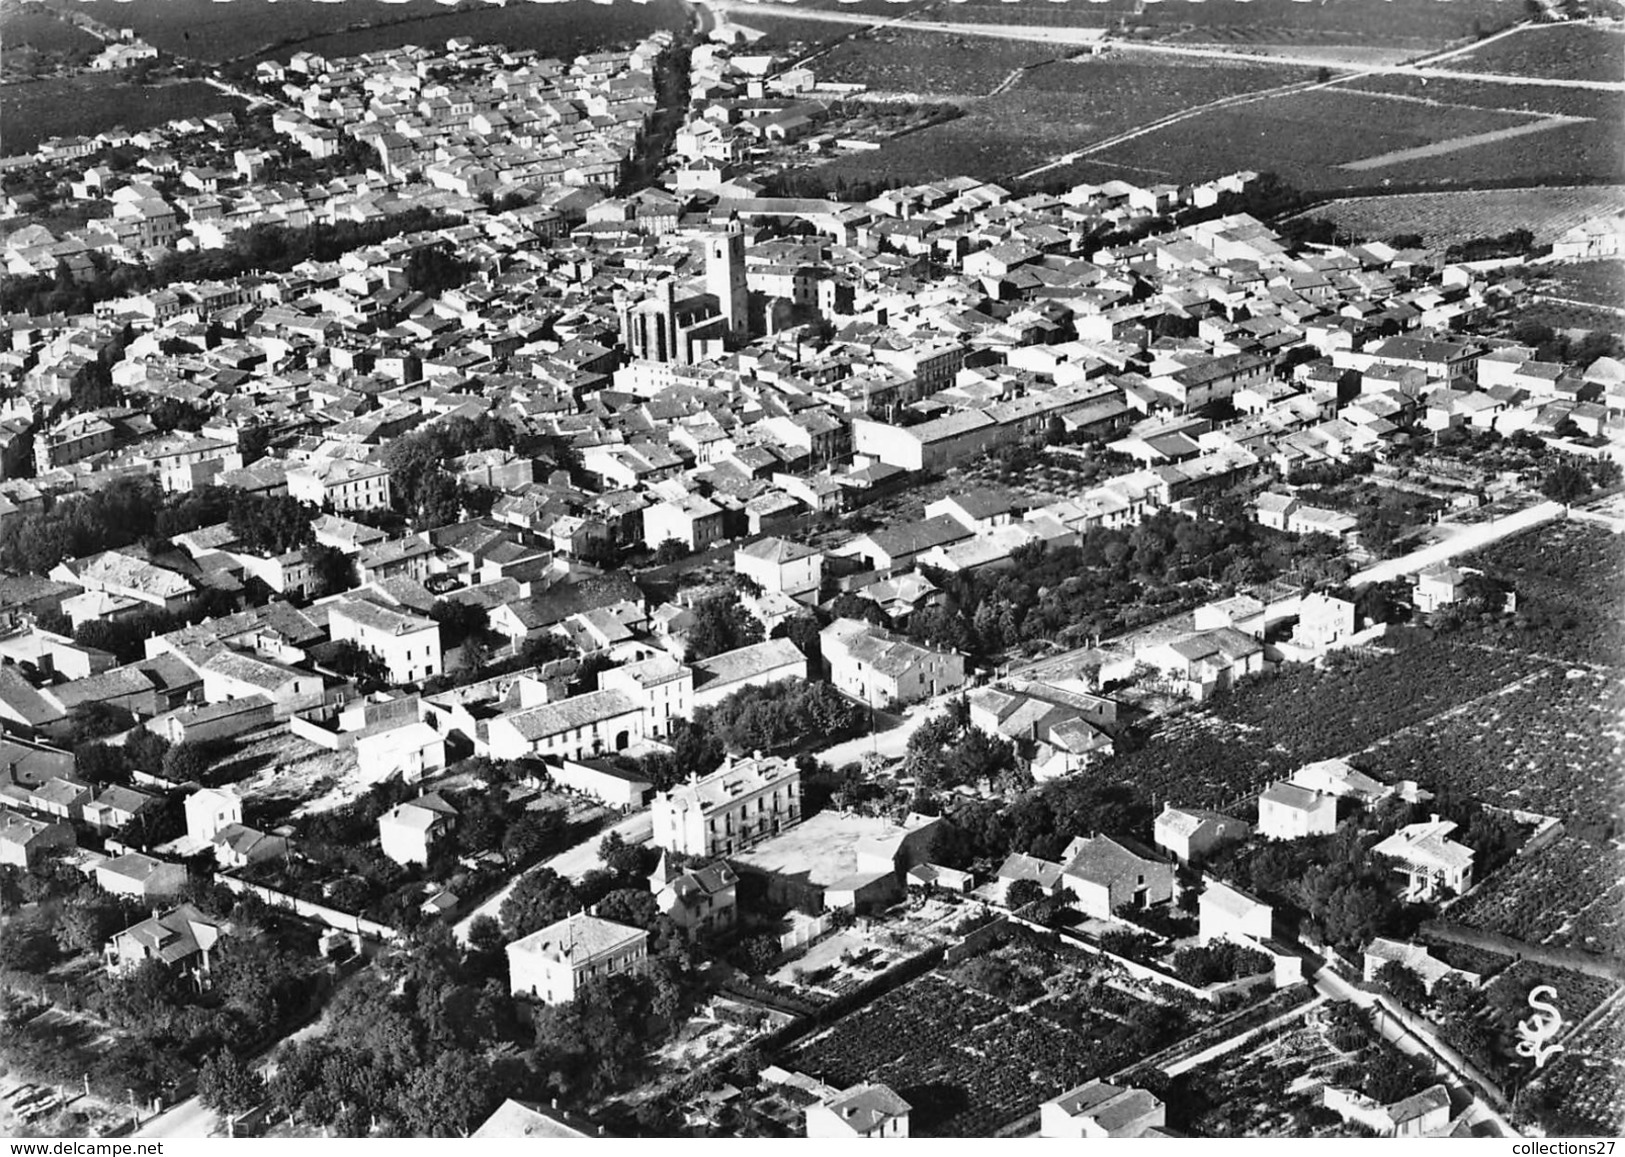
(1565, 483)
(626, 861)
(188, 762)
(449, 1096)
(227, 1085)
(669, 551)
(1403, 984)
(721, 624)
(539, 899)
(1021, 893)
(331, 570)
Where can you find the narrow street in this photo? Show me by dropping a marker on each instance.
(574, 862)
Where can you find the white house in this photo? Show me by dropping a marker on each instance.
(408, 645)
(1430, 862)
(409, 832)
(413, 751)
(553, 964)
(597, 723)
(780, 566)
(1225, 912)
(871, 1110)
(744, 801)
(1193, 833)
(1289, 812)
(1101, 1110)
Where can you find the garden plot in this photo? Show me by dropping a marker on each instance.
(275, 765)
(1268, 729)
(1579, 994)
(971, 1062)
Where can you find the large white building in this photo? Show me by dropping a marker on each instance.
(779, 566)
(340, 484)
(554, 963)
(408, 645)
(580, 727)
(662, 687)
(741, 803)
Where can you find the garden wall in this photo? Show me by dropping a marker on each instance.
(321, 736)
(332, 917)
(894, 977)
(979, 940)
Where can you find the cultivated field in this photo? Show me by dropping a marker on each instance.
(977, 1048)
(929, 63)
(1421, 24)
(1444, 219)
(1575, 51)
(1597, 282)
(214, 31)
(32, 29)
(95, 102)
(1566, 895)
(1589, 1074)
(1345, 138)
(1059, 107)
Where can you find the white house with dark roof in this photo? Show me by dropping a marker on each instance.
(1225, 912)
(779, 566)
(552, 964)
(408, 645)
(1098, 1109)
(757, 665)
(597, 723)
(142, 877)
(1289, 812)
(1106, 874)
(408, 832)
(700, 901)
(743, 802)
(1340, 778)
(1430, 861)
(182, 938)
(1192, 833)
(869, 1110)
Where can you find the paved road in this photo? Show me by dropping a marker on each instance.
(189, 1118)
(1084, 36)
(1461, 539)
(1425, 1045)
(574, 862)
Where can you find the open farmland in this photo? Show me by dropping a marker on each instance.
(245, 29)
(1208, 757)
(1571, 51)
(930, 63)
(1444, 219)
(95, 102)
(1552, 743)
(1566, 895)
(1314, 140)
(32, 28)
(1059, 107)
(1569, 577)
(1597, 282)
(971, 1061)
(1588, 1076)
(1419, 24)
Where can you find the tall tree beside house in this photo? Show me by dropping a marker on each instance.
(331, 569)
(721, 624)
(226, 1084)
(537, 900)
(1403, 984)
